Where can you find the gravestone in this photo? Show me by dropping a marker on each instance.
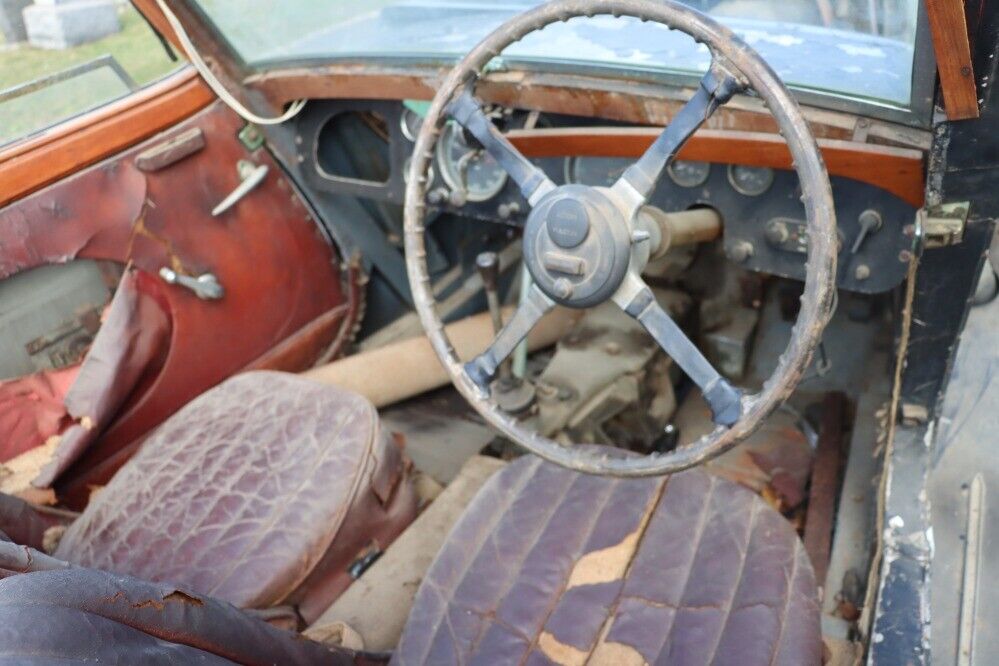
(59, 24)
(11, 21)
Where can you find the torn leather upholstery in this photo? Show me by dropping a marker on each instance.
(278, 269)
(85, 615)
(262, 491)
(134, 335)
(551, 566)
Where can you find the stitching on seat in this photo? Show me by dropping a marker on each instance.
(702, 520)
(787, 600)
(753, 512)
(485, 532)
(553, 601)
(512, 575)
(612, 611)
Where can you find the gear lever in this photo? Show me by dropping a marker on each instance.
(513, 395)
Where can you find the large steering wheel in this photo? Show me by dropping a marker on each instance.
(584, 245)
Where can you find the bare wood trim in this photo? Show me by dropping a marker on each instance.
(73, 145)
(896, 170)
(610, 99)
(171, 151)
(953, 52)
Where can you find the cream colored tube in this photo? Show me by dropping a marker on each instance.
(408, 368)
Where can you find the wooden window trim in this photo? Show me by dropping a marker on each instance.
(953, 52)
(65, 148)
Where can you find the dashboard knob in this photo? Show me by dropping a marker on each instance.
(777, 233)
(870, 222)
(741, 251)
(508, 210)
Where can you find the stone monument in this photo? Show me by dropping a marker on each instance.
(11, 21)
(59, 24)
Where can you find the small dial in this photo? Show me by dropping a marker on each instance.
(750, 181)
(686, 173)
(595, 171)
(468, 168)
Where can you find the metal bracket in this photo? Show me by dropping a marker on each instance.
(943, 225)
(251, 137)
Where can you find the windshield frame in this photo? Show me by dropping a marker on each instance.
(918, 114)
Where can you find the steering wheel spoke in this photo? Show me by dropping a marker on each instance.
(482, 369)
(638, 181)
(638, 301)
(467, 112)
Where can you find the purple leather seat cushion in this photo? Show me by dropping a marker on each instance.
(547, 565)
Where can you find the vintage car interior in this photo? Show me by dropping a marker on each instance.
(575, 332)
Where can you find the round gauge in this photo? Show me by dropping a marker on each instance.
(410, 121)
(750, 181)
(595, 171)
(686, 173)
(465, 168)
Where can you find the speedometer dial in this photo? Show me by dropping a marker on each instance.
(686, 173)
(467, 168)
(750, 181)
(595, 171)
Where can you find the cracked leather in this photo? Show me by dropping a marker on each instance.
(134, 334)
(260, 492)
(279, 271)
(86, 615)
(552, 566)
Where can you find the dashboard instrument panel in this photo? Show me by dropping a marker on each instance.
(763, 217)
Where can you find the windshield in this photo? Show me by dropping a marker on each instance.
(862, 49)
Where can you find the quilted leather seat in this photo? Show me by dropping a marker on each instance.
(260, 492)
(550, 566)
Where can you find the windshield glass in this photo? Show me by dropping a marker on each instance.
(860, 49)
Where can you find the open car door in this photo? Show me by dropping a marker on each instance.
(150, 247)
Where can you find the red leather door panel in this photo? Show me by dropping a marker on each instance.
(278, 270)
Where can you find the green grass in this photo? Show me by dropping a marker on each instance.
(135, 47)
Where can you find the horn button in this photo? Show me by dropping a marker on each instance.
(577, 246)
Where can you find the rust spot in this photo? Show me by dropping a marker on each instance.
(139, 228)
